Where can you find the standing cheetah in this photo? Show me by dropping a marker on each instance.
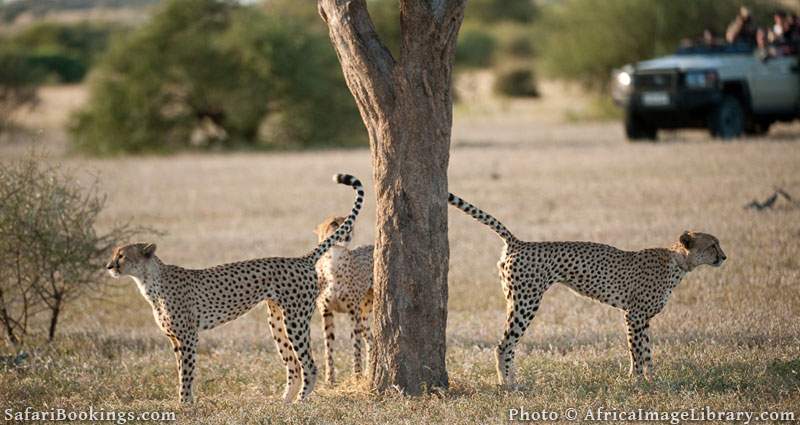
(186, 301)
(636, 282)
(345, 279)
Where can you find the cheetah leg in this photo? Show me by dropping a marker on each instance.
(298, 332)
(519, 318)
(276, 326)
(185, 347)
(648, 354)
(636, 337)
(355, 320)
(366, 311)
(327, 325)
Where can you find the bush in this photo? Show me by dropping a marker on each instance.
(475, 48)
(204, 73)
(386, 17)
(584, 40)
(492, 11)
(516, 82)
(18, 88)
(61, 52)
(50, 251)
(515, 41)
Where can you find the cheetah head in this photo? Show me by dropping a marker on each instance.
(130, 260)
(702, 248)
(328, 227)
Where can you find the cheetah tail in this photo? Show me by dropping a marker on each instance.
(481, 216)
(345, 228)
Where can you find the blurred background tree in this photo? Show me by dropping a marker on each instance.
(18, 84)
(212, 74)
(62, 53)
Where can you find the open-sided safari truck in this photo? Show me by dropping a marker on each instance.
(730, 89)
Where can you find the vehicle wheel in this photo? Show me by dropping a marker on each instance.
(637, 129)
(727, 120)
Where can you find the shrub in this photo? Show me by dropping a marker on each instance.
(50, 251)
(475, 48)
(61, 52)
(17, 85)
(491, 11)
(515, 41)
(204, 73)
(516, 81)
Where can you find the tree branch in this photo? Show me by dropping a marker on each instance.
(366, 62)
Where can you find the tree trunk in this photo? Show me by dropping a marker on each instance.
(406, 106)
(8, 322)
(55, 311)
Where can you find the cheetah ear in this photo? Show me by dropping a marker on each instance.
(687, 240)
(149, 250)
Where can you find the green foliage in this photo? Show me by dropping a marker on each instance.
(583, 40)
(61, 52)
(205, 73)
(492, 29)
(50, 251)
(475, 48)
(492, 11)
(517, 81)
(17, 84)
(385, 16)
(514, 41)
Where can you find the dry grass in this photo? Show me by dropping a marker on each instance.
(728, 339)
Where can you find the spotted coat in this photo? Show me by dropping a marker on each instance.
(186, 301)
(345, 280)
(637, 282)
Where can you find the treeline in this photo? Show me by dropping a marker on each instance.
(206, 74)
(58, 53)
(217, 74)
(10, 11)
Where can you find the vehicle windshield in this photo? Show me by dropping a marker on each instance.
(704, 49)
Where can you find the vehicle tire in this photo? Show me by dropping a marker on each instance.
(637, 129)
(727, 119)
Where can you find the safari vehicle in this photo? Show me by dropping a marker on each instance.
(729, 89)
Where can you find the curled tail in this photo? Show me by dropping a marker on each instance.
(347, 226)
(481, 216)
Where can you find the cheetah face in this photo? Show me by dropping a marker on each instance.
(130, 260)
(328, 227)
(703, 249)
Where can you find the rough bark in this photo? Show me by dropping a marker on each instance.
(406, 105)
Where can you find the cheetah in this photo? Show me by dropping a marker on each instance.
(637, 282)
(186, 301)
(345, 279)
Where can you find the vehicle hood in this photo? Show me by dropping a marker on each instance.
(682, 62)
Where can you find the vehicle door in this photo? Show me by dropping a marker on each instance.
(775, 84)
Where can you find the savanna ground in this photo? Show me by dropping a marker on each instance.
(728, 339)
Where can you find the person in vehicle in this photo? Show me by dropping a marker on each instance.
(742, 29)
(780, 25)
(709, 37)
